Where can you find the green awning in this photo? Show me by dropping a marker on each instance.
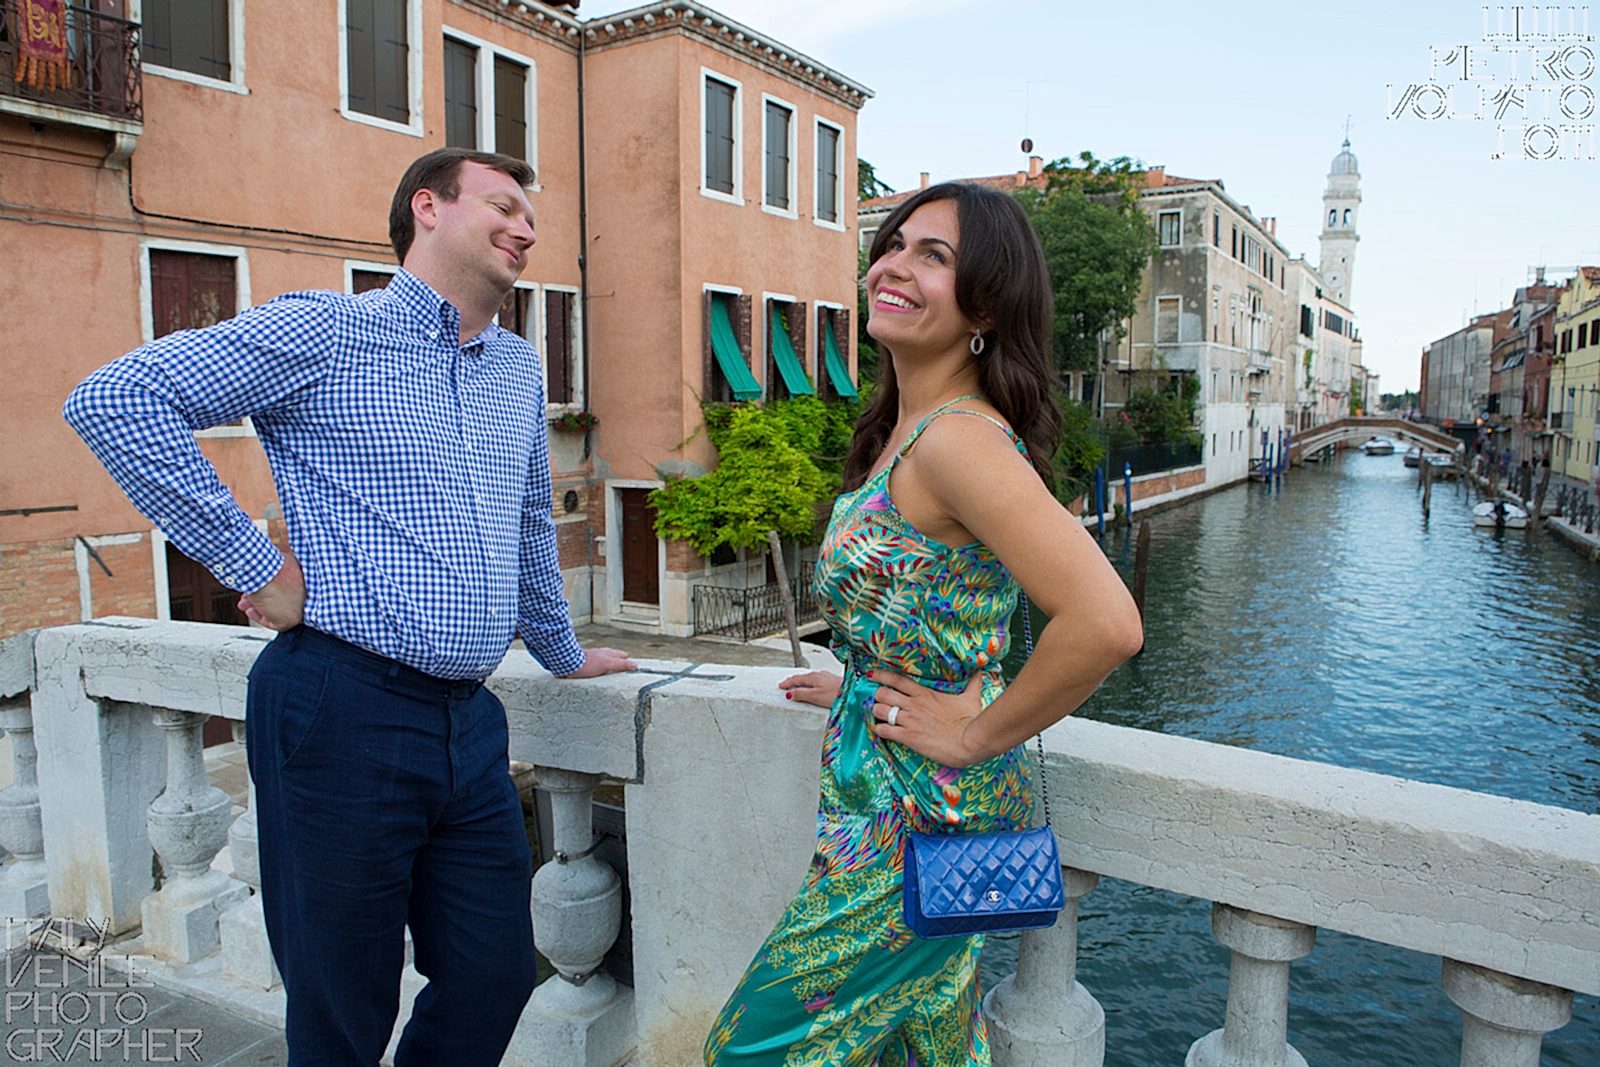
(726, 348)
(838, 370)
(794, 375)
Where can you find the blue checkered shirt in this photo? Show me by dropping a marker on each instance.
(414, 472)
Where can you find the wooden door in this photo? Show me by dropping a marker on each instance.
(641, 583)
(193, 595)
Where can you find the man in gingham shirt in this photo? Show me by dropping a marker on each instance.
(407, 439)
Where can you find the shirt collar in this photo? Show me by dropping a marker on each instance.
(432, 314)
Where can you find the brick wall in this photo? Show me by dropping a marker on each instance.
(1149, 486)
(39, 583)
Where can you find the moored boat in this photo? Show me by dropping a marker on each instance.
(1377, 446)
(1413, 457)
(1499, 514)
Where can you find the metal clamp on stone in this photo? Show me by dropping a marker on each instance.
(564, 858)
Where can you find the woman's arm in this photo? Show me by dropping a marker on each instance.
(965, 477)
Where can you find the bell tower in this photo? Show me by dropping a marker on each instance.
(1341, 203)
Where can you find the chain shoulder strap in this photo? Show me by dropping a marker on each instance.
(1027, 644)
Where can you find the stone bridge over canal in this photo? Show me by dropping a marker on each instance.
(1362, 428)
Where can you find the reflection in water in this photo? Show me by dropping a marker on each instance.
(1326, 619)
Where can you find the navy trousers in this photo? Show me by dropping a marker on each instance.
(384, 800)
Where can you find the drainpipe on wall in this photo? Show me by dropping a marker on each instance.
(583, 290)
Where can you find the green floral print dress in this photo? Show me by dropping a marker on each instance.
(841, 981)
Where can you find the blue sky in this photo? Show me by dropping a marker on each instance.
(1254, 93)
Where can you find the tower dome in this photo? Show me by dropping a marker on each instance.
(1345, 161)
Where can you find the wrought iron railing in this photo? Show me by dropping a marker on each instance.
(1147, 459)
(755, 611)
(87, 61)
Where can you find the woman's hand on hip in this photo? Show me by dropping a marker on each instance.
(926, 720)
(814, 687)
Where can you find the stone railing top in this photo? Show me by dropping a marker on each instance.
(16, 664)
(1507, 884)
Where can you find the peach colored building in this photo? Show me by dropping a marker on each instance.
(167, 171)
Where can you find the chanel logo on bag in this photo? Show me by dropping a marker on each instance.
(992, 896)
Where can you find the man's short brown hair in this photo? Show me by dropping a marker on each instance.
(440, 171)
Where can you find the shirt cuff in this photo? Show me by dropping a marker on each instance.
(252, 560)
(558, 656)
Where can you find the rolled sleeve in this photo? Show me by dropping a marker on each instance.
(138, 415)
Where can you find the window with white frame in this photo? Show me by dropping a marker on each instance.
(195, 40)
(189, 286)
(1170, 227)
(1168, 309)
(360, 276)
(381, 65)
(777, 152)
(720, 171)
(489, 98)
(830, 174)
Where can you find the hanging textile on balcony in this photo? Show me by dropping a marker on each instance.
(43, 62)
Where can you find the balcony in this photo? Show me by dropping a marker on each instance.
(1258, 360)
(84, 72)
(105, 722)
(754, 611)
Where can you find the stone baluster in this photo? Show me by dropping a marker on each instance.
(246, 955)
(1041, 1016)
(580, 1017)
(1504, 1019)
(1255, 1031)
(188, 825)
(24, 892)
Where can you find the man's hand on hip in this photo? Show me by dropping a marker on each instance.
(281, 603)
(598, 661)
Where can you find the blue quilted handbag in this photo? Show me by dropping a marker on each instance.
(962, 884)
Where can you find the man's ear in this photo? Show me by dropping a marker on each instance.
(425, 208)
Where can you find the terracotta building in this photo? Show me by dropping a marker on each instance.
(163, 171)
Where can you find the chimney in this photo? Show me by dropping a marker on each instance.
(923, 181)
(1155, 177)
(1021, 179)
(1538, 276)
(1035, 166)
(1272, 225)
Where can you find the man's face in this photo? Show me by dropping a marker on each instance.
(487, 229)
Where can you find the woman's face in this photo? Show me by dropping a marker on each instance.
(911, 288)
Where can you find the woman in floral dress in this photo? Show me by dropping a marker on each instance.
(946, 512)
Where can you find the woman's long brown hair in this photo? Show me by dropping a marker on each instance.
(1001, 277)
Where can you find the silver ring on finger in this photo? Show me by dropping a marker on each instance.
(894, 714)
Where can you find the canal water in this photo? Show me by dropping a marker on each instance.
(1328, 620)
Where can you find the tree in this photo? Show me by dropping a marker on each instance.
(778, 465)
(868, 185)
(1097, 241)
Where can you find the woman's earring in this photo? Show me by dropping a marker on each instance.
(976, 344)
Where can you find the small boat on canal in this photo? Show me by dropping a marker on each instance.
(1377, 446)
(1499, 515)
(1413, 457)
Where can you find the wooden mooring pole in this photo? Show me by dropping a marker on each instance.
(1141, 566)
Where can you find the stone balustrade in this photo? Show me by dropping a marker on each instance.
(720, 794)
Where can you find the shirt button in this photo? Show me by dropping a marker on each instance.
(433, 335)
(494, 611)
